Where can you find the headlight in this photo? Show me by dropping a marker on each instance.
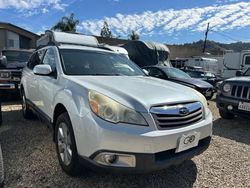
(112, 111)
(227, 88)
(203, 100)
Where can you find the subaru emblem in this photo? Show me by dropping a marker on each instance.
(183, 111)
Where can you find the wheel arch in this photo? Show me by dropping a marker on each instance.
(59, 109)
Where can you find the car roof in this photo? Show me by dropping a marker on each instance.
(86, 48)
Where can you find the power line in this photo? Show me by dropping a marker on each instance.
(225, 35)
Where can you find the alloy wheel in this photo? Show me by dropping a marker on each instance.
(64, 143)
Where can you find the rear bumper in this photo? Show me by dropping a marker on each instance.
(223, 102)
(146, 162)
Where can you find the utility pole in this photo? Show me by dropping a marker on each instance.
(205, 42)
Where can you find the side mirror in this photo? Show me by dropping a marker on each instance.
(146, 72)
(3, 60)
(43, 70)
(239, 73)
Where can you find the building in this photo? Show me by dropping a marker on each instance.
(12, 36)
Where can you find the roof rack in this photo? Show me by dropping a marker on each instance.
(58, 38)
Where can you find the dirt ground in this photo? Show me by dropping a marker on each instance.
(30, 158)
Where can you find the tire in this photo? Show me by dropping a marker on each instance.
(226, 115)
(1, 170)
(27, 112)
(65, 145)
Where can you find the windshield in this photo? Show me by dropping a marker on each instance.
(16, 56)
(247, 73)
(176, 73)
(79, 62)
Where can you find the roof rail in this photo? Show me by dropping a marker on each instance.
(58, 38)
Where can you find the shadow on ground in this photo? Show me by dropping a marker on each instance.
(237, 129)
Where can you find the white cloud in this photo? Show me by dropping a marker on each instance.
(32, 7)
(221, 17)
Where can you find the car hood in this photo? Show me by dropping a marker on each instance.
(239, 79)
(14, 65)
(138, 92)
(195, 82)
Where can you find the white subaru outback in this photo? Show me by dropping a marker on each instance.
(106, 113)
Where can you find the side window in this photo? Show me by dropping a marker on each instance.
(155, 72)
(49, 58)
(247, 60)
(35, 59)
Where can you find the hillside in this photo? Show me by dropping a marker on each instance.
(218, 48)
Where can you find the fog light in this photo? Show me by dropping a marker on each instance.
(115, 159)
(230, 107)
(110, 158)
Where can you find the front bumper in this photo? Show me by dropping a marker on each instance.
(154, 149)
(149, 162)
(9, 86)
(223, 102)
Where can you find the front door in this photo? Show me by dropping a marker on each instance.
(47, 83)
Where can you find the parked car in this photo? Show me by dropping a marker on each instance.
(233, 97)
(1, 170)
(11, 65)
(178, 76)
(204, 75)
(107, 118)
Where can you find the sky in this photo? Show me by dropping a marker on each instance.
(167, 21)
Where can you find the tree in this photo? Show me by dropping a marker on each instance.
(134, 36)
(106, 32)
(67, 24)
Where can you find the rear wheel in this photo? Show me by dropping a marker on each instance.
(27, 112)
(66, 146)
(225, 114)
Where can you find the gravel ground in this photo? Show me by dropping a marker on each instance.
(30, 158)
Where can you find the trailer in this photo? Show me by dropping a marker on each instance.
(234, 61)
(201, 63)
(148, 53)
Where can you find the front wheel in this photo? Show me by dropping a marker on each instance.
(225, 114)
(66, 146)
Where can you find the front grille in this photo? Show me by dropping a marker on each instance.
(240, 91)
(172, 115)
(16, 74)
